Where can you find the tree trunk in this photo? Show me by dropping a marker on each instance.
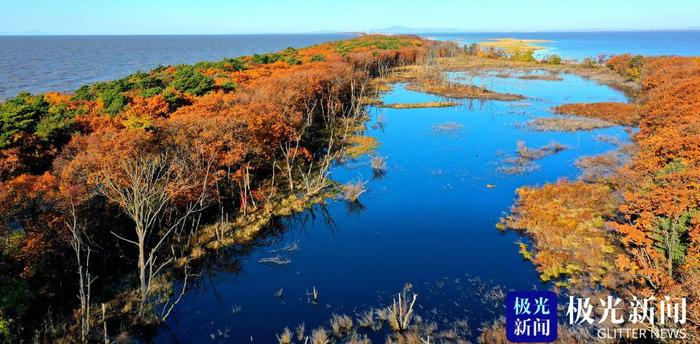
(142, 274)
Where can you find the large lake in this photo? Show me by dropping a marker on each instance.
(64, 63)
(579, 45)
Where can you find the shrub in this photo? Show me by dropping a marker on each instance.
(229, 86)
(229, 65)
(553, 59)
(588, 63)
(351, 191)
(627, 65)
(142, 81)
(20, 114)
(318, 58)
(189, 80)
(113, 100)
(265, 58)
(522, 56)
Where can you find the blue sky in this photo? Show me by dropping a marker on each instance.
(268, 16)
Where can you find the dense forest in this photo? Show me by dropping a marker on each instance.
(114, 191)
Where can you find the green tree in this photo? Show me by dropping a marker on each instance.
(671, 236)
(20, 114)
(189, 80)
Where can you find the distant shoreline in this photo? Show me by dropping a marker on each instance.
(381, 31)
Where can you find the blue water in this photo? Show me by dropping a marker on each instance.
(430, 221)
(579, 45)
(64, 63)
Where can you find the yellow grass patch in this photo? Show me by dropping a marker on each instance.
(420, 105)
(567, 123)
(370, 101)
(460, 91)
(514, 44)
(360, 145)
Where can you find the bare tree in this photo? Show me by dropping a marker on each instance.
(85, 279)
(291, 150)
(146, 187)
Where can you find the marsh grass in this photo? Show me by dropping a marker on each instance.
(478, 64)
(613, 140)
(601, 167)
(431, 78)
(285, 337)
(420, 105)
(359, 339)
(351, 191)
(547, 77)
(319, 336)
(425, 326)
(378, 165)
(275, 260)
(360, 145)
(289, 247)
(567, 123)
(523, 161)
(447, 127)
(514, 74)
(455, 90)
(401, 310)
(379, 122)
(370, 101)
(299, 331)
(341, 325)
(368, 320)
(525, 152)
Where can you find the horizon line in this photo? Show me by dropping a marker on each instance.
(330, 32)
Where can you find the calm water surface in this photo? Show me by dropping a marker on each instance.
(429, 222)
(64, 63)
(579, 45)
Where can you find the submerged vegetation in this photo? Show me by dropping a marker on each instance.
(398, 321)
(567, 123)
(524, 161)
(420, 105)
(431, 77)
